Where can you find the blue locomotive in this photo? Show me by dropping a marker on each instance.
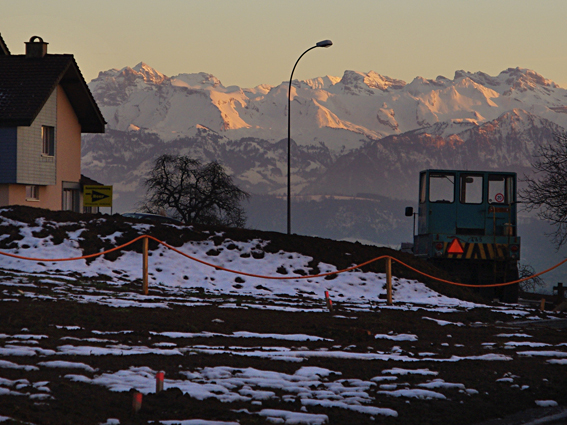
(467, 225)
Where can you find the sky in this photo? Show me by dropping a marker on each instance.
(252, 42)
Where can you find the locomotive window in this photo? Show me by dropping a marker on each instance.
(471, 189)
(422, 188)
(441, 187)
(500, 189)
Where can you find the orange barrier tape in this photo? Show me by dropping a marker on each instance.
(493, 285)
(285, 277)
(265, 277)
(74, 258)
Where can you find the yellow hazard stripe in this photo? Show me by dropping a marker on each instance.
(469, 250)
(501, 250)
(479, 251)
(482, 253)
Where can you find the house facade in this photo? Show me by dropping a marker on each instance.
(45, 105)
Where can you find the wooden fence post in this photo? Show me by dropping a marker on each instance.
(145, 266)
(389, 280)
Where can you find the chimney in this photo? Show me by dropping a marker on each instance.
(36, 47)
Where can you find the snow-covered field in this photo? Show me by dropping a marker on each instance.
(356, 361)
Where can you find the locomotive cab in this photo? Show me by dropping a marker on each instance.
(467, 224)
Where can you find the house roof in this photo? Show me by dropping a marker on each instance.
(87, 181)
(26, 84)
(3, 48)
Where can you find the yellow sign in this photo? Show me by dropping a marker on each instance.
(97, 196)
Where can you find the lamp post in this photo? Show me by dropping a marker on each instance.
(324, 43)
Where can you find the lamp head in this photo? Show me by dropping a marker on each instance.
(324, 43)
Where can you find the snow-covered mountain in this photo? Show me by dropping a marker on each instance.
(330, 110)
(353, 133)
(390, 166)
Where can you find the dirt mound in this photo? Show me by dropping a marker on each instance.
(97, 227)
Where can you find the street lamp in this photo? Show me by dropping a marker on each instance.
(324, 43)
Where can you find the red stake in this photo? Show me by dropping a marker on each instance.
(137, 402)
(159, 381)
(329, 301)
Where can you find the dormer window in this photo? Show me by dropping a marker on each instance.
(48, 137)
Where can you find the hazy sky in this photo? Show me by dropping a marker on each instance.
(251, 42)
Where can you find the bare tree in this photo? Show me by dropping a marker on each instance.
(547, 189)
(530, 285)
(193, 192)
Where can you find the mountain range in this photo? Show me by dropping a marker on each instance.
(350, 134)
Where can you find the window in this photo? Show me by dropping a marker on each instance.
(71, 200)
(500, 189)
(441, 187)
(48, 137)
(471, 189)
(422, 188)
(32, 193)
(90, 210)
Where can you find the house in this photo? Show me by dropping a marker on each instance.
(45, 105)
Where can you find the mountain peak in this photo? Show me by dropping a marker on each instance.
(478, 77)
(421, 85)
(514, 79)
(523, 79)
(148, 73)
(354, 82)
(141, 67)
(319, 83)
(199, 80)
